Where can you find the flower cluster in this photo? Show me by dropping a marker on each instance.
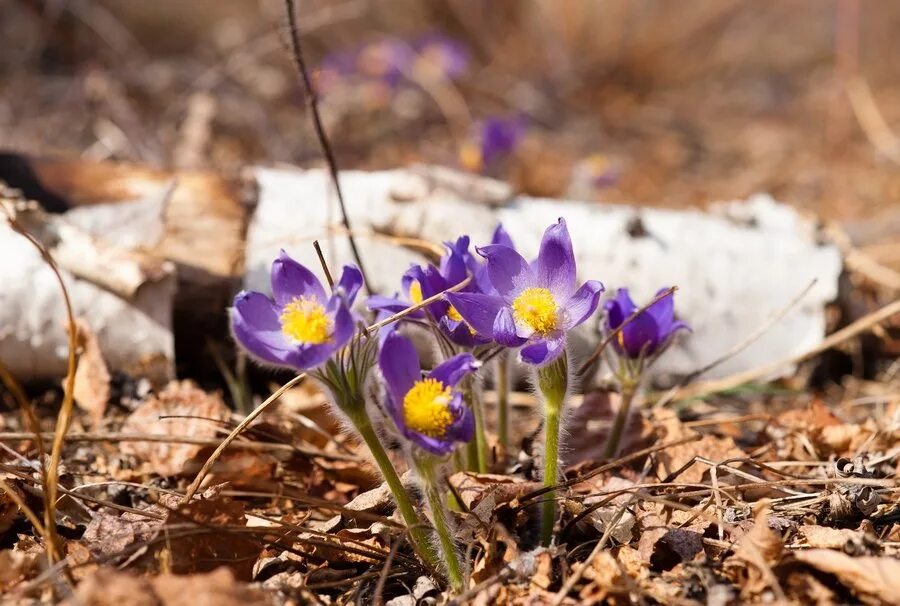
(478, 305)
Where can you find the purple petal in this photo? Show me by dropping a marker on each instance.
(453, 264)
(502, 237)
(290, 280)
(663, 311)
(389, 304)
(582, 304)
(478, 310)
(460, 333)
(543, 351)
(504, 329)
(463, 427)
(508, 271)
(453, 370)
(255, 324)
(436, 446)
(619, 308)
(344, 326)
(399, 364)
(641, 335)
(350, 282)
(306, 357)
(555, 264)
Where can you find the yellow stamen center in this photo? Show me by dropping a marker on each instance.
(426, 408)
(536, 308)
(415, 292)
(304, 320)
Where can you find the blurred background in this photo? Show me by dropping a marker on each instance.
(639, 101)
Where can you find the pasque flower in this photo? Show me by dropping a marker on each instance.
(421, 282)
(427, 410)
(495, 140)
(649, 332)
(535, 304)
(300, 326)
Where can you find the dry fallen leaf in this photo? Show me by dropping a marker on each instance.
(874, 580)
(92, 376)
(217, 588)
(191, 412)
(714, 448)
(9, 511)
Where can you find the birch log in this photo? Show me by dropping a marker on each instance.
(736, 266)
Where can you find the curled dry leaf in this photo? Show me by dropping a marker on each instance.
(182, 409)
(756, 552)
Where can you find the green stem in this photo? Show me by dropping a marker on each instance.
(503, 400)
(418, 532)
(552, 382)
(551, 472)
(477, 448)
(433, 494)
(615, 434)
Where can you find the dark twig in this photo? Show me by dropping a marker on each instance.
(324, 265)
(327, 150)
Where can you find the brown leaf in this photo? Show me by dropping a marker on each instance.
(874, 580)
(217, 588)
(17, 566)
(92, 376)
(670, 460)
(823, 537)
(756, 552)
(178, 400)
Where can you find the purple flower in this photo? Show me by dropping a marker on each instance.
(497, 139)
(427, 410)
(300, 326)
(445, 56)
(535, 304)
(649, 332)
(387, 60)
(422, 282)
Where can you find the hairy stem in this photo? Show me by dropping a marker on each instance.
(503, 400)
(615, 434)
(418, 531)
(425, 465)
(552, 383)
(476, 450)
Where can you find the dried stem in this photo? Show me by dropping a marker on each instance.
(327, 150)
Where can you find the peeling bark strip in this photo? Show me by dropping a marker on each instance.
(736, 266)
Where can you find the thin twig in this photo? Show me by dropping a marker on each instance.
(313, 102)
(848, 332)
(323, 264)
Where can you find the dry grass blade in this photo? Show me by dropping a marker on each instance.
(848, 332)
(68, 403)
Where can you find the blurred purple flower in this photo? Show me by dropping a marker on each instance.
(495, 140)
(386, 60)
(300, 327)
(535, 304)
(427, 410)
(442, 55)
(649, 332)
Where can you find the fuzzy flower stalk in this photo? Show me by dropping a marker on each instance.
(534, 307)
(428, 411)
(643, 335)
(422, 282)
(303, 328)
